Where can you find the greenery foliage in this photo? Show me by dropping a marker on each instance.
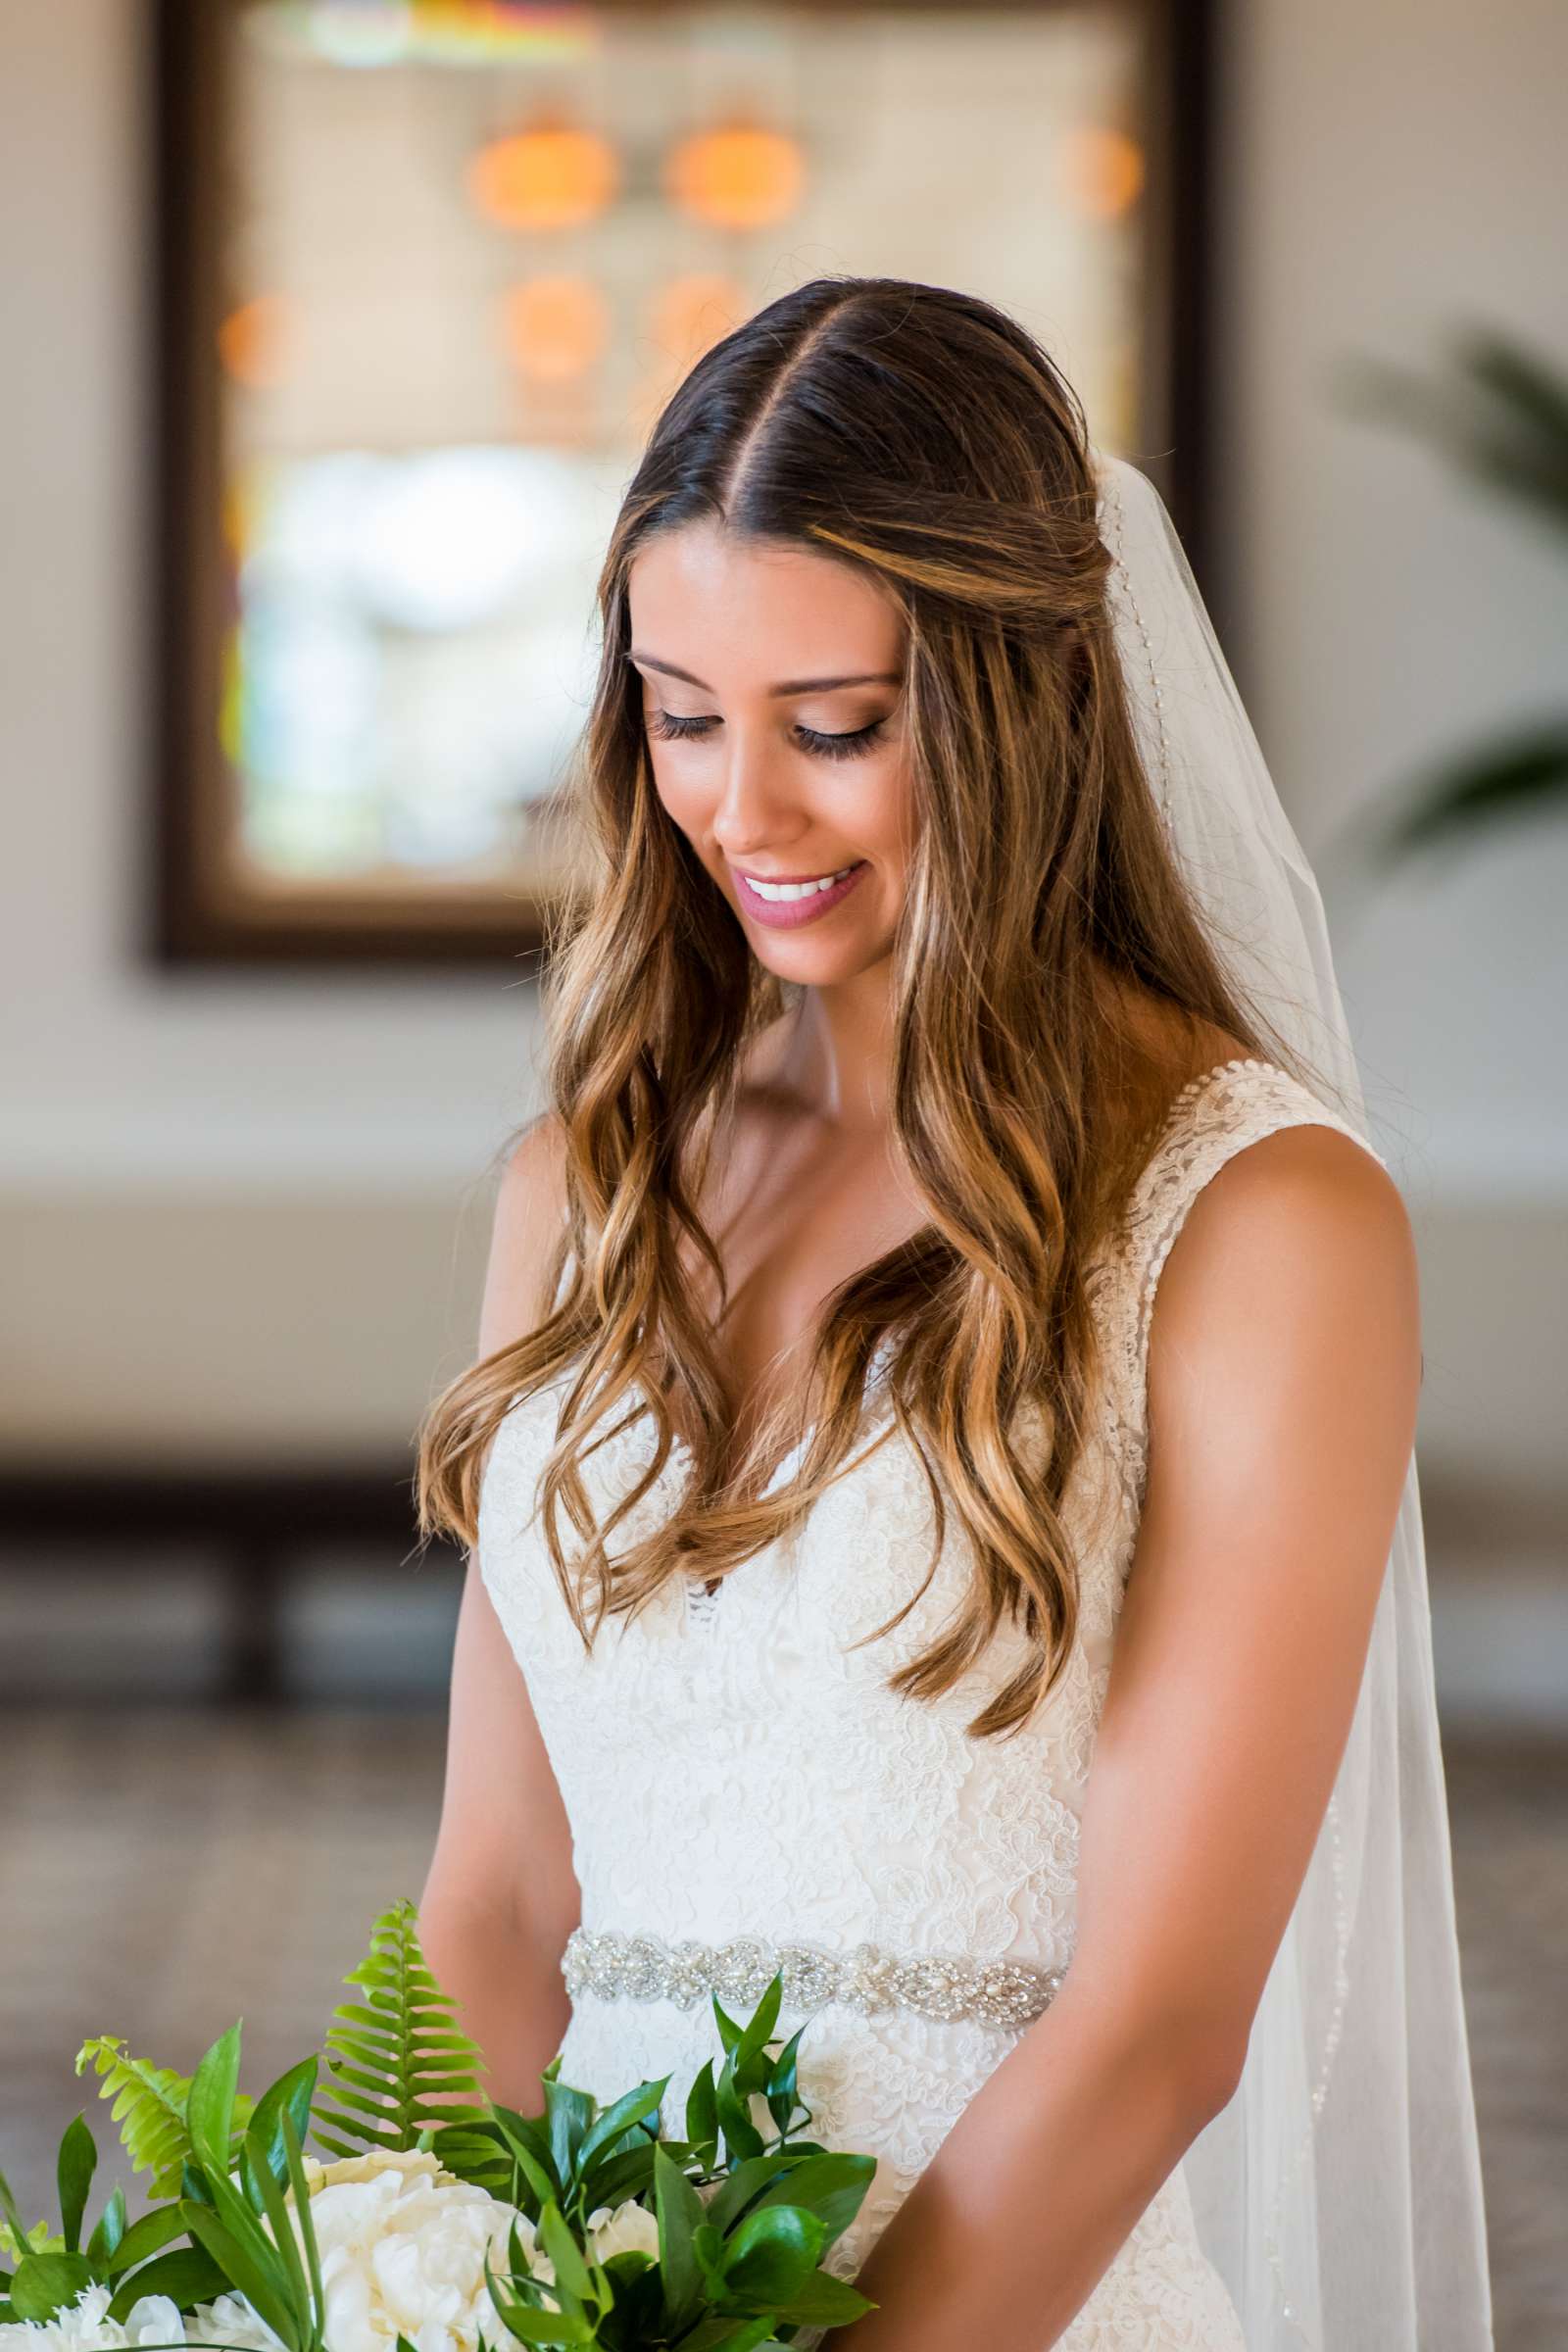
(744, 2217)
(1502, 415)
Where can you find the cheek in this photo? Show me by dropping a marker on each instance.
(684, 794)
(881, 812)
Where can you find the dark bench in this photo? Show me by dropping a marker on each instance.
(258, 1521)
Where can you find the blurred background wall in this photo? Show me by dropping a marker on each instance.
(246, 1215)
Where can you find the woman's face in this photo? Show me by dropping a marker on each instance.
(772, 700)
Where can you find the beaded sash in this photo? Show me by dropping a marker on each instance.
(871, 1978)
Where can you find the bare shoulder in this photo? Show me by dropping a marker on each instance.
(524, 1235)
(1299, 1248)
(1308, 1186)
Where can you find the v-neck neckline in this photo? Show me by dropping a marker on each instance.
(700, 1601)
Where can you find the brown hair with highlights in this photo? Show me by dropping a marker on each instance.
(922, 437)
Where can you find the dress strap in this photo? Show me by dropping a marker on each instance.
(1215, 1116)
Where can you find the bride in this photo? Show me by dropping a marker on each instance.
(938, 1472)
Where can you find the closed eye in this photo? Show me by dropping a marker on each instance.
(827, 747)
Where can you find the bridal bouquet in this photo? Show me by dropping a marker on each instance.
(463, 2226)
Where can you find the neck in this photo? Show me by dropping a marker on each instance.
(838, 1055)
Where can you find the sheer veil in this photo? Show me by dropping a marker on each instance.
(1339, 2192)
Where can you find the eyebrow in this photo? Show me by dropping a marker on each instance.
(864, 678)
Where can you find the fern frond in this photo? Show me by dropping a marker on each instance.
(150, 2109)
(394, 2049)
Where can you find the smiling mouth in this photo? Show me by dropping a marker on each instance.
(782, 893)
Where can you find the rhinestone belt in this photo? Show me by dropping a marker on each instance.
(870, 1976)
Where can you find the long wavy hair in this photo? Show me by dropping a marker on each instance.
(922, 438)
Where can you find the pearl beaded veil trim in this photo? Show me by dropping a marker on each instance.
(870, 1976)
(1148, 720)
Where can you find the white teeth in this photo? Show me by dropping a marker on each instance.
(797, 890)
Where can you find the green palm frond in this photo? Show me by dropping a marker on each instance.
(150, 2107)
(393, 2050)
(1525, 776)
(1502, 415)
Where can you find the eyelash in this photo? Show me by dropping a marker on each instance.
(828, 747)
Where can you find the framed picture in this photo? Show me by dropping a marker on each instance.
(425, 273)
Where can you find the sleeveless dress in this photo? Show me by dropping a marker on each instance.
(741, 1783)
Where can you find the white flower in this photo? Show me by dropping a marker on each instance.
(402, 2244)
(230, 2320)
(84, 2325)
(629, 2228)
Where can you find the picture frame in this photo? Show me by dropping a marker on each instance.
(211, 906)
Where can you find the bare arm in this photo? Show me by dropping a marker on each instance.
(1284, 1373)
(501, 1897)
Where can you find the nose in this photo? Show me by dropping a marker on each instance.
(756, 808)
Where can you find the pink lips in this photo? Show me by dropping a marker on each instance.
(787, 914)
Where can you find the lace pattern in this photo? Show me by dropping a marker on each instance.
(738, 1769)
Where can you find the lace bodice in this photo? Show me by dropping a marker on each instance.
(733, 1766)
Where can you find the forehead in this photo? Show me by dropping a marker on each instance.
(700, 594)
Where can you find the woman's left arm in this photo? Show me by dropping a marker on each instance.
(1284, 1369)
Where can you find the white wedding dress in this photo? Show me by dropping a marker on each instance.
(734, 1769)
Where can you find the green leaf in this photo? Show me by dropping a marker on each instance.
(103, 2244)
(627, 2111)
(772, 2253)
(832, 2187)
(572, 2282)
(746, 2183)
(210, 2108)
(730, 2033)
(741, 2136)
(44, 2283)
(761, 2024)
(146, 2236)
(282, 2221)
(293, 2090)
(259, 2282)
(679, 2210)
(550, 2327)
(733, 2336)
(630, 2173)
(531, 2152)
(702, 2110)
(301, 2207)
(708, 2249)
(824, 2301)
(8, 2205)
(568, 2113)
(189, 2274)
(535, 2326)
(780, 2087)
(75, 2166)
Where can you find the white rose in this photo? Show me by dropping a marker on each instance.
(629, 2228)
(402, 2245)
